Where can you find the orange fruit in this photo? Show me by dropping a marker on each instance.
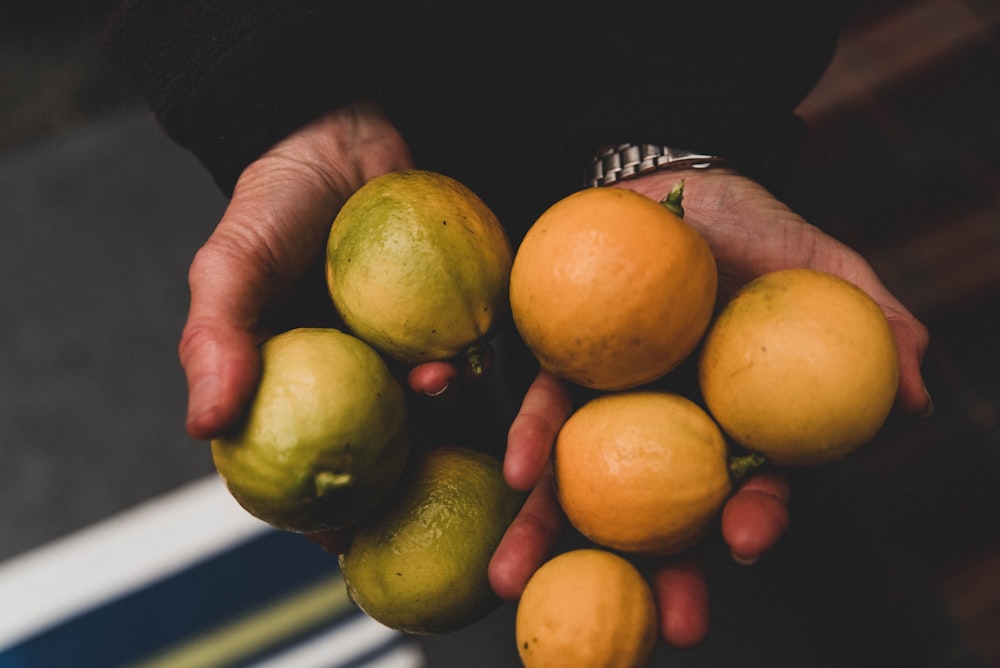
(641, 471)
(800, 366)
(586, 607)
(611, 290)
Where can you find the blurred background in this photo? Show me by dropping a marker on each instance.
(892, 558)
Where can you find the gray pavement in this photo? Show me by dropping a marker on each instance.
(98, 227)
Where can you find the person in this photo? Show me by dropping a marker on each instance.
(293, 106)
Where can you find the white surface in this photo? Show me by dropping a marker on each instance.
(348, 642)
(133, 548)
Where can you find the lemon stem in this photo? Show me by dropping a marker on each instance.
(475, 357)
(741, 467)
(673, 200)
(328, 481)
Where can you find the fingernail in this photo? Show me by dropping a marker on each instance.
(203, 397)
(439, 392)
(744, 561)
(929, 408)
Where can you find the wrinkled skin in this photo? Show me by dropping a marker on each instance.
(274, 231)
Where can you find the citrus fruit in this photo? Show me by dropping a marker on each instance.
(586, 607)
(610, 289)
(419, 563)
(641, 471)
(325, 438)
(418, 266)
(801, 366)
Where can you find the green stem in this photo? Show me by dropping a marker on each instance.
(741, 467)
(475, 356)
(673, 200)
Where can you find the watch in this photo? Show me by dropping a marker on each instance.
(626, 161)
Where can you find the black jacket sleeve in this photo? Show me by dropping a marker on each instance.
(523, 89)
(229, 78)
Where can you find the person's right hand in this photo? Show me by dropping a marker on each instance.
(750, 233)
(273, 231)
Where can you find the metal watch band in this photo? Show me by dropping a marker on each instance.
(626, 161)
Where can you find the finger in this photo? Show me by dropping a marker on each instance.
(432, 378)
(912, 340)
(682, 598)
(527, 542)
(756, 517)
(545, 408)
(268, 237)
(222, 365)
(232, 278)
(218, 348)
(911, 336)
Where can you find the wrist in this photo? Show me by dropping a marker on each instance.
(622, 162)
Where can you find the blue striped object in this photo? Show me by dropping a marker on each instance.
(188, 580)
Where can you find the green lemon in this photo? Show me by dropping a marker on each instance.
(325, 438)
(419, 564)
(418, 266)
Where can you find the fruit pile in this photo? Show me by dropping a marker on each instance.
(611, 291)
(418, 269)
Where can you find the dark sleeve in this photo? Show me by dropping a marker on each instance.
(229, 78)
(510, 87)
(713, 76)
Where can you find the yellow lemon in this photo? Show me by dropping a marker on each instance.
(325, 438)
(418, 266)
(419, 563)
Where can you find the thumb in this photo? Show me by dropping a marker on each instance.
(271, 233)
(265, 241)
(222, 367)
(218, 346)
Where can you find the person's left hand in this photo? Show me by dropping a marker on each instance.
(251, 278)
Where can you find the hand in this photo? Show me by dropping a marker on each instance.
(271, 235)
(751, 233)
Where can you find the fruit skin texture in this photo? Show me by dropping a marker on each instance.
(642, 472)
(610, 290)
(325, 438)
(586, 607)
(801, 366)
(419, 564)
(418, 266)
